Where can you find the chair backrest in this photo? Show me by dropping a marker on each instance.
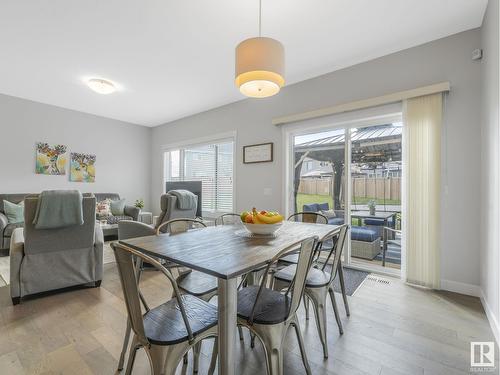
(308, 217)
(338, 236)
(124, 256)
(297, 285)
(228, 219)
(69, 238)
(169, 210)
(180, 225)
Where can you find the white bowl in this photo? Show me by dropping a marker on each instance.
(263, 229)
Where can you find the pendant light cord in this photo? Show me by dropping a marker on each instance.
(260, 18)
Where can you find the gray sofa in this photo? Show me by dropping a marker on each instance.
(48, 259)
(130, 212)
(7, 229)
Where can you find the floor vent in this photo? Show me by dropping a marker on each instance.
(377, 279)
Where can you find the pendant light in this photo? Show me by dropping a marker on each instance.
(260, 65)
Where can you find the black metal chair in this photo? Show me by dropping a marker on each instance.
(319, 284)
(268, 313)
(166, 332)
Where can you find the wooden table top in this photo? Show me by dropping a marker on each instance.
(225, 251)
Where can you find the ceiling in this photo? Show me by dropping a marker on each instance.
(172, 59)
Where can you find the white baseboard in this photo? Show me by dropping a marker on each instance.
(495, 327)
(462, 288)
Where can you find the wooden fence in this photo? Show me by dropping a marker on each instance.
(362, 187)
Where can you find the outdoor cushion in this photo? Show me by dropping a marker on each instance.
(336, 221)
(312, 207)
(116, 219)
(323, 207)
(363, 234)
(374, 221)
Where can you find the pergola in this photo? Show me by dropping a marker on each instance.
(370, 146)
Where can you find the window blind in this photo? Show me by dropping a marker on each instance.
(212, 164)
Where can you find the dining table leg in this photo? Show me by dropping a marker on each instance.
(227, 301)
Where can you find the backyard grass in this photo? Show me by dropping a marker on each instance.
(315, 198)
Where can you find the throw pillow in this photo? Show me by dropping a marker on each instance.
(117, 207)
(329, 213)
(103, 209)
(14, 212)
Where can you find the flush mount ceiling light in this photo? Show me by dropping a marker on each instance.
(260, 65)
(101, 86)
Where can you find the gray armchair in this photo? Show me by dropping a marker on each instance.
(7, 229)
(48, 259)
(169, 211)
(129, 212)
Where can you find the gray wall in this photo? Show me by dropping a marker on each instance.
(490, 204)
(448, 59)
(122, 149)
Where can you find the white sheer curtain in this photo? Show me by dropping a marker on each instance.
(423, 118)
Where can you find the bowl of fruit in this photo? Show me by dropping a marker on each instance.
(261, 222)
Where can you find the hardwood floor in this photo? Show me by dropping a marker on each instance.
(394, 329)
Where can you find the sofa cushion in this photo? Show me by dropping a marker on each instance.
(312, 207)
(14, 212)
(14, 198)
(7, 232)
(336, 221)
(323, 207)
(103, 208)
(363, 234)
(117, 207)
(116, 219)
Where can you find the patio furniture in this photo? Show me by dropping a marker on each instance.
(365, 242)
(269, 314)
(319, 283)
(168, 331)
(233, 253)
(42, 260)
(387, 240)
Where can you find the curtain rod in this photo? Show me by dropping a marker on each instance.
(364, 103)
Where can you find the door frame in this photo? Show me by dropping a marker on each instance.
(331, 123)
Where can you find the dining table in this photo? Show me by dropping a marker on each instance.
(226, 252)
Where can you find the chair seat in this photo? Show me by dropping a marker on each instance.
(197, 283)
(164, 325)
(273, 307)
(316, 278)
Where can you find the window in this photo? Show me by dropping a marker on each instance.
(212, 164)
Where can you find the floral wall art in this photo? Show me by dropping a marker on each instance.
(82, 167)
(50, 159)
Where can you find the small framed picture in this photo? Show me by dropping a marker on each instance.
(260, 153)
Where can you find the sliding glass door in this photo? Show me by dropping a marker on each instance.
(352, 174)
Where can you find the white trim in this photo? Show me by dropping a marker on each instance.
(199, 141)
(364, 103)
(462, 288)
(495, 327)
